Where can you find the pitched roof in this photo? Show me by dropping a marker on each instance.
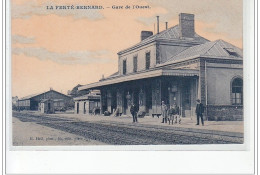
(30, 96)
(169, 34)
(34, 95)
(218, 48)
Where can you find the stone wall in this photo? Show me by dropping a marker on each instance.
(224, 112)
(219, 77)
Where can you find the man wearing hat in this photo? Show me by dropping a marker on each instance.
(199, 112)
(164, 112)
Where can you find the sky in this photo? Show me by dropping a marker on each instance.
(62, 48)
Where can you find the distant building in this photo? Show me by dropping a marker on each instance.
(31, 102)
(176, 66)
(15, 101)
(88, 104)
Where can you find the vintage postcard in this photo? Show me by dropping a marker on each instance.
(128, 86)
(105, 73)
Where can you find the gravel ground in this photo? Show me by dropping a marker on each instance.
(32, 134)
(117, 132)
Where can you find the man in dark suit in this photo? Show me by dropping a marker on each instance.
(134, 110)
(199, 112)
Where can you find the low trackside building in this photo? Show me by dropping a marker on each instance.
(47, 106)
(87, 104)
(31, 102)
(176, 66)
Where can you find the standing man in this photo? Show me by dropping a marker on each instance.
(134, 110)
(164, 112)
(173, 112)
(199, 112)
(177, 113)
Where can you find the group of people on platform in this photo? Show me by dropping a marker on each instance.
(172, 114)
(169, 115)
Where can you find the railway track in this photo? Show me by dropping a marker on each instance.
(122, 134)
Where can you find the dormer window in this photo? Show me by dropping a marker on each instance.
(231, 52)
(147, 60)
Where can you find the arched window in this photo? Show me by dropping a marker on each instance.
(237, 91)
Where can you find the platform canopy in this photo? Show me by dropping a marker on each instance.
(87, 97)
(141, 75)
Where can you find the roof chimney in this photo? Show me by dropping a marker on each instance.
(166, 25)
(157, 24)
(146, 34)
(186, 24)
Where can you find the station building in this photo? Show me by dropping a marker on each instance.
(176, 66)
